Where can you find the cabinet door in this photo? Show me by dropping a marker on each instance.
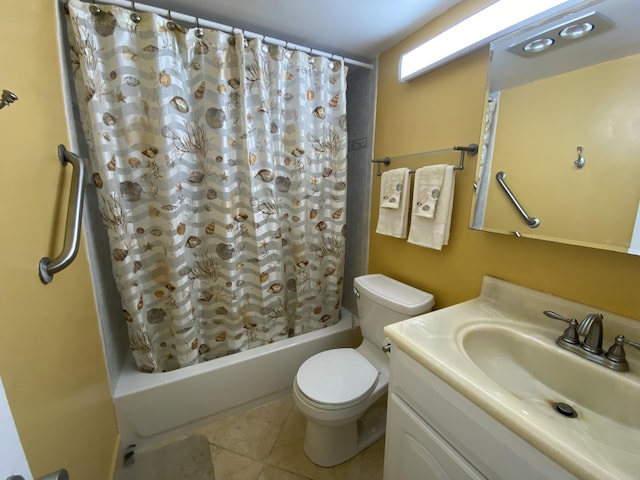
(414, 451)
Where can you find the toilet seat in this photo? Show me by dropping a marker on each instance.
(336, 378)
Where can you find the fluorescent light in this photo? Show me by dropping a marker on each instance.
(473, 32)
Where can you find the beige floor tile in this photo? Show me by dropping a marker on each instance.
(232, 466)
(251, 433)
(372, 464)
(291, 457)
(184, 458)
(294, 427)
(275, 412)
(288, 453)
(349, 470)
(273, 473)
(266, 443)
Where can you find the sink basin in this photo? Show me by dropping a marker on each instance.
(541, 375)
(499, 351)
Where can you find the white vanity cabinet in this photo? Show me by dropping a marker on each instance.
(415, 450)
(433, 432)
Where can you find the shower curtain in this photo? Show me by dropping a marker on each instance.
(220, 167)
(484, 165)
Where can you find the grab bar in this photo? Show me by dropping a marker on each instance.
(47, 267)
(531, 221)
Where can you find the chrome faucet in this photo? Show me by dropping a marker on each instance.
(591, 328)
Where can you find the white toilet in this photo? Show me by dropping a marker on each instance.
(343, 392)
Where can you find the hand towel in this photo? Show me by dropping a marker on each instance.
(434, 232)
(427, 186)
(393, 221)
(392, 188)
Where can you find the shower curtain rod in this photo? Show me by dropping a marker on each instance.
(228, 29)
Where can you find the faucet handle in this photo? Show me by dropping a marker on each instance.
(570, 335)
(616, 353)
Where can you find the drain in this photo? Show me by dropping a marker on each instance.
(564, 409)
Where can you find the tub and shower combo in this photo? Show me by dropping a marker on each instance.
(154, 407)
(216, 212)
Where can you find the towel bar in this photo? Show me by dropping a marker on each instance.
(531, 221)
(48, 267)
(471, 149)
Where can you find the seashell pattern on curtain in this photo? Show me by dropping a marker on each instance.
(220, 167)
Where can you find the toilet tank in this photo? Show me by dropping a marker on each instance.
(382, 301)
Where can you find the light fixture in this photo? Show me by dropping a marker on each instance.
(538, 45)
(576, 30)
(560, 34)
(470, 34)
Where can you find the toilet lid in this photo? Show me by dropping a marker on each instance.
(336, 377)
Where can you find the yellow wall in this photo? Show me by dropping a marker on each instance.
(540, 124)
(444, 108)
(51, 360)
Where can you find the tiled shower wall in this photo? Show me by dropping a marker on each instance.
(361, 113)
(115, 339)
(361, 97)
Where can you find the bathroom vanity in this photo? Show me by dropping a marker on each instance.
(434, 432)
(473, 386)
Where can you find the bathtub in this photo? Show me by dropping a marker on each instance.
(154, 407)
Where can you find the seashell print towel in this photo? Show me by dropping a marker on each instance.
(434, 232)
(393, 221)
(427, 187)
(391, 188)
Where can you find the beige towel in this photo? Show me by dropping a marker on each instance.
(434, 232)
(392, 188)
(427, 186)
(393, 221)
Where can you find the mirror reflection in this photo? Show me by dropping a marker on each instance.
(561, 133)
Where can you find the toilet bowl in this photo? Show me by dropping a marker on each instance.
(342, 392)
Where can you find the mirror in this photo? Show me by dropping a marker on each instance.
(560, 152)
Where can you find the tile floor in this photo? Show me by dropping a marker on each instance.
(266, 444)
(187, 458)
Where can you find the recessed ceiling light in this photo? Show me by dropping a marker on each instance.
(564, 32)
(577, 30)
(538, 45)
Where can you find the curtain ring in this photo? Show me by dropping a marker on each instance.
(171, 26)
(94, 9)
(338, 61)
(288, 53)
(135, 18)
(241, 30)
(199, 33)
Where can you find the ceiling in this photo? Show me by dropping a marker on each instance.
(358, 29)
